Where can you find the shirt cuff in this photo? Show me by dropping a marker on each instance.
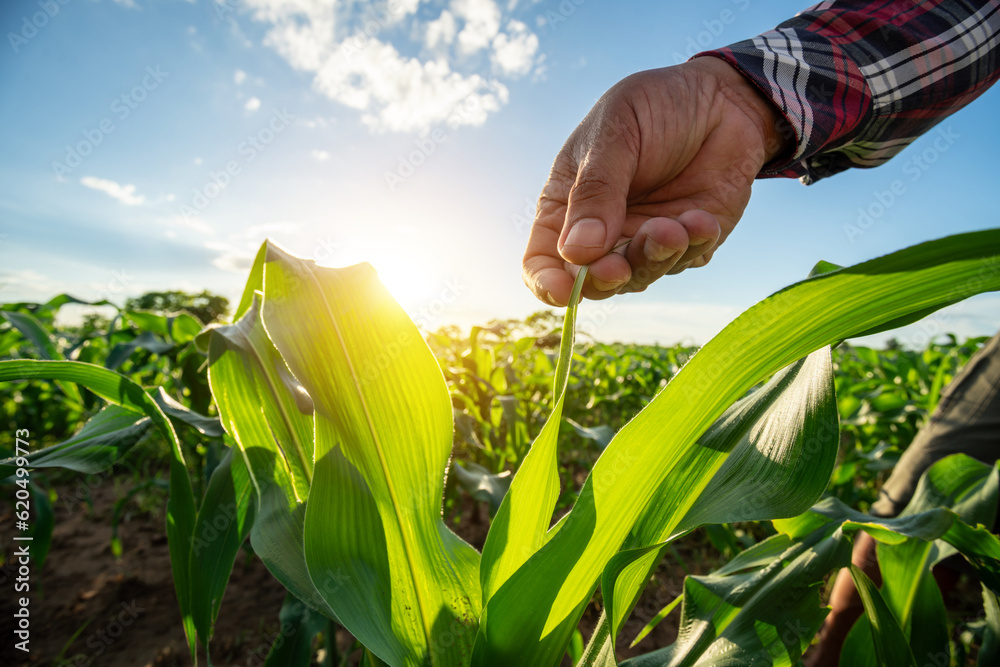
(819, 90)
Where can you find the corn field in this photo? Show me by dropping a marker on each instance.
(505, 496)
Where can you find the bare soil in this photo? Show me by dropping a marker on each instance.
(89, 608)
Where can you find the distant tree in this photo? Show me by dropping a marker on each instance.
(206, 306)
(543, 322)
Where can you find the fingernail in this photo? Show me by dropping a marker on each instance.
(587, 233)
(657, 253)
(605, 287)
(550, 299)
(697, 240)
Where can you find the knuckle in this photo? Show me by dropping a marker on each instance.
(591, 185)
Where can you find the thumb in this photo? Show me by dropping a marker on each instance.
(595, 213)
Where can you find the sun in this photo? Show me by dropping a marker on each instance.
(407, 281)
(407, 264)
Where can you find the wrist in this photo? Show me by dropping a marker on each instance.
(777, 135)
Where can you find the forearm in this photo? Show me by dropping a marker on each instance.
(845, 603)
(859, 81)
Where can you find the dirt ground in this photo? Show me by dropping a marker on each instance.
(88, 608)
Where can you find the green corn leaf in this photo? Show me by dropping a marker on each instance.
(753, 557)
(891, 649)
(299, 626)
(146, 340)
(210, 426)
(656, 620)
(382, 440)
(782, 441)
(989, 652)
(909, 589)
(224, 519)
(958, 481)
(557, 581)
(601, 434)
(42, 526)
(521, 524)
(600, 650)
(60, 300)
(119, 390)
(763, 616)
(181, 328)
(270, 416)
(483, 485)
(145, 320)
(102, 441)
(33, 330)
(255, 283)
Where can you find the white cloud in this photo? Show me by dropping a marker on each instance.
(123, 193)
(126, 3)
(234, 262)
(441, 30)
(192, 223)
(403, 78)
(320, 155)
(239, 76)
(197, 160)
(482, 23)
(404, 94)
(313, 123)
(252, 104)
(514, 50)
(405, 7)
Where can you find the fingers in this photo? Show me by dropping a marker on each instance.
(661, 246)
(595, 212)
(607, 276)
(666, 246)
(543, 270)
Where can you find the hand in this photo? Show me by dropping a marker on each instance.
(665, 161)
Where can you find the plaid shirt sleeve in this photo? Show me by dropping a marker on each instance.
(859, 81)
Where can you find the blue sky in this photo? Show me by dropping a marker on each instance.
(153, 144)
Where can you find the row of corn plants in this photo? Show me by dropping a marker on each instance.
(341, 426)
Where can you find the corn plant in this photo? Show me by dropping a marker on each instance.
(360, 535)
(778, 581)
(883, 398)
(342, 428)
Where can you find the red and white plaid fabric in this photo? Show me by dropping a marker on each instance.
(859, 81)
